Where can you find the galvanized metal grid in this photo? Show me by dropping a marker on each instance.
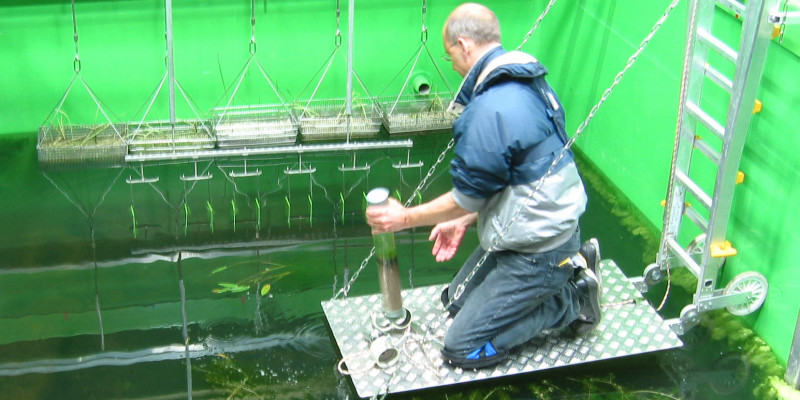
(629, 326)
(327, 120)
(82, 144)
(416, 114)
(255, 125)
(162, 136)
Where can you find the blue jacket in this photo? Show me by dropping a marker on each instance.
(509, 134)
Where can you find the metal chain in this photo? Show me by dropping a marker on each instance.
(338, 38)
(76, 63)
(617, 79)
(424, 34)
(536, 24)
(346, 288)
(431, 170)
(253, 26)
(783, 20)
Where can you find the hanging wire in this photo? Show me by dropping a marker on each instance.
(245, 70)
(536, 24)
(327, 65)
(76, 66)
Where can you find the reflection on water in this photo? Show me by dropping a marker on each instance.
(181, 288)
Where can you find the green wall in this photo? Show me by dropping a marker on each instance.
(583, 43)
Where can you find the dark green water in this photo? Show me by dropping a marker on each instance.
(106, 286)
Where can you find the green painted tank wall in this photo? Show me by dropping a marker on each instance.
(584, 44)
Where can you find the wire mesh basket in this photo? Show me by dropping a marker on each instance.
(258, 125)
(162, 136)
(415, 114)
(327, 119)
(81, 144)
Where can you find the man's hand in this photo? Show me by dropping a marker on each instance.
(387, 218)
(448, 236)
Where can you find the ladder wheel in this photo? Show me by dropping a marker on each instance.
(689, 316)
(752, 282)
(653, 274)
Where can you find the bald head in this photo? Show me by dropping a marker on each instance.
(472, 21)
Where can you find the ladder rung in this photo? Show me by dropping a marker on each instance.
(687, 260)
(706, 149)
(706, 119)
(695, 217)
(721, 80)
(695, 190)
(721, 48)
(735, 6)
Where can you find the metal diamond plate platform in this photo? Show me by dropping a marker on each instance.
(629, 326)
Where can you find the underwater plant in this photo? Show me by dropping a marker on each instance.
(263, 279)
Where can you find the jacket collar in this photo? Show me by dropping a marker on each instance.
(467, 88)
(494, 64)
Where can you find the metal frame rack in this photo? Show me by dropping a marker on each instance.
(237, 125)
(424, 110)
(62, 142)
(171, 135)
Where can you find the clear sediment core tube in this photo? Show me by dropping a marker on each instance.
(388, 268)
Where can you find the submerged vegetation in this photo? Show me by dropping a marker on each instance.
(552, 387)
(767, 370)
(262, 280)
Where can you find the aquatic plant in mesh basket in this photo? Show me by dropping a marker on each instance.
(163, 136)
(257, 125)
(61, 142)
(417, 113)
(327, 119)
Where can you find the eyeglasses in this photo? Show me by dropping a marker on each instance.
(446, 55)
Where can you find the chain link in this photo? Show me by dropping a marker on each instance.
(424, 34)
(536, 24)
(431, 170)
(253, 27)
(338, 38)
(76, 62)
(346, 288)
(783, 20)
(461, 287)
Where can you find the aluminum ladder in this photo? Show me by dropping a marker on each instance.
(710, 138)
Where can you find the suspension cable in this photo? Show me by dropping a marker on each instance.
(76, 62)
(253, 26)
(536, 24)
(337, 40)
(424, 33)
